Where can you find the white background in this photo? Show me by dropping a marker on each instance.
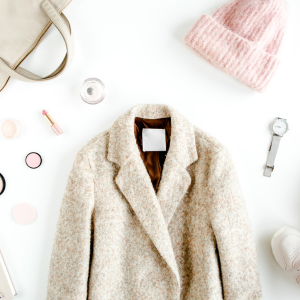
(136, 48)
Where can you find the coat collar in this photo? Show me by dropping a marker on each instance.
(122, 140)
(154, 211)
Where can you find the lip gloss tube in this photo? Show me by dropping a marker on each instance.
(55, 127)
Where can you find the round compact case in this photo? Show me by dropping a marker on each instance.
(10, 129)
(2, 184)
(33, 160)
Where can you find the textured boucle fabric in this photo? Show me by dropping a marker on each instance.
(242, 38)
(119, 240)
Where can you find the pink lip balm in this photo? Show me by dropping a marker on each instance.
(55, 127)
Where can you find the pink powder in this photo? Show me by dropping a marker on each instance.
(33, 160)
(24, 214)
(9, 129)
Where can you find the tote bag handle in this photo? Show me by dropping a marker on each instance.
(63, 26)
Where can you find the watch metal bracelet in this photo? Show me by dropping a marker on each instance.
(272, 154)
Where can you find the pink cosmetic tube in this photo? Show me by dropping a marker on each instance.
(55, 127)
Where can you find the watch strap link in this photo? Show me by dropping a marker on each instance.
(272, 155)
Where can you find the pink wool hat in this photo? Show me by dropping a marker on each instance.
(242, 38)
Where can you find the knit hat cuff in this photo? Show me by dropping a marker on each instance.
(232, 53)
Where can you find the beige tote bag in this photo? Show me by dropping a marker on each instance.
(23, 23)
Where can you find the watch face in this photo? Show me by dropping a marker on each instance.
(280, 127)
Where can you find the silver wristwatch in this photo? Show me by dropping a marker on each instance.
(280, 127)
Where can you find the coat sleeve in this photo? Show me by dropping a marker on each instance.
(233, 233)
(69, 267)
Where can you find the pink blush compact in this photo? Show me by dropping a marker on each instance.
(33, 160)
(24, 214)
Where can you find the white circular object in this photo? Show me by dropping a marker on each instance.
(280, 127)
(92, 91)
(10, 129)
(24, 213)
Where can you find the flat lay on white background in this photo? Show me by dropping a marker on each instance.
(136, 48)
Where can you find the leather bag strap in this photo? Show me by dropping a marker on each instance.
(63, 26)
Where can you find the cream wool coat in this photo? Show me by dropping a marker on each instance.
(119, 240)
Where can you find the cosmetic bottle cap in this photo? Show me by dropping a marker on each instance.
(92, 91)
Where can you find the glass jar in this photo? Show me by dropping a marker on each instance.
(92, 91)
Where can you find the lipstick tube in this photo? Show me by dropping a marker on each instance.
(55, 127)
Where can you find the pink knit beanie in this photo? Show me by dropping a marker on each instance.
(242, 38)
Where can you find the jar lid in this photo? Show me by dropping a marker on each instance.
(92, 91)
(10, 129)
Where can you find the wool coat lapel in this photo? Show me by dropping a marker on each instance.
(134, 182)
(154, 211)
(173, 186)
(175, 179)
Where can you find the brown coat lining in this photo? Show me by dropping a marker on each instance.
(154, 160)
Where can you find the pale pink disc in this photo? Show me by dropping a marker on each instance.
(33, 160)
(9, 129)
(24, 213)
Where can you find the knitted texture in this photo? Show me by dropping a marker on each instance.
(242, 38)
(117, 239)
